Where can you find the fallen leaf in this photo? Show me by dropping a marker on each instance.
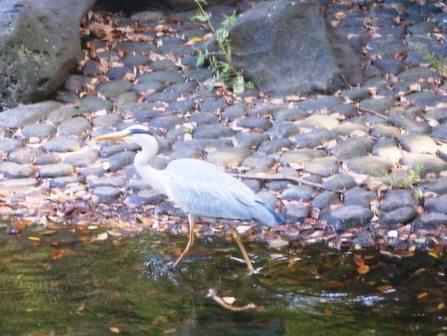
(115, 330)
(385, 288)
(422, 295)
(363, 269)
(34, 238)
(58, 253)
(102, 236)
(229, 300)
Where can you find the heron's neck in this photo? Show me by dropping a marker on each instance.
(154, 177)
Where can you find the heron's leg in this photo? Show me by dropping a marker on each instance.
(237, 238)
(192, 223)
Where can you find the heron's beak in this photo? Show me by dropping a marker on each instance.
(111, 136)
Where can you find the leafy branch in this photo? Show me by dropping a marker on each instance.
(220, 62)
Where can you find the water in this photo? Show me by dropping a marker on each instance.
(63, 283)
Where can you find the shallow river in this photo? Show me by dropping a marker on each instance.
(63, 283)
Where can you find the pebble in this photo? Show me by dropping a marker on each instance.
(418, 144)
(325, 166)
(8, 145)
(437, 204)
(82, 158)
(62, 114)
(353, 147)
(339, 182)
(74, 126)
(18, 184)
(229, 157)
(351, 216)
(47, 158)
(359, 196)
(369, 165)
(298, 193)
(424, 163)
(249, 139)
(27, 114)
(107, 194)
(62, 144)
(398, 217)
(38, 130)
(212, 131)
(93, 104)
(15, 170)
(114, 87)
(314, 138)
(395, 199)
(55, 170)
(325, 199)
(120, 160)
(295, 212)
(430, 221)
(24, 155)
(63, 181)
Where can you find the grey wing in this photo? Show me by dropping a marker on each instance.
(219, 196)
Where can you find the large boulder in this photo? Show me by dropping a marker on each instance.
(289, 47)
(39, 44)
(176, 5)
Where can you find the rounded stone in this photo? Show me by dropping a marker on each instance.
(351, 216)
(295, 212)
(437, 204)
(325, 166)
(62, 114)
(399, 216)
(120, 160)
(55, 170)
(62, 144)
(369, 165)
(47, 158)
(359, 196)
(63, 181)
(314, 138)
(339, 182)
(107, 121)
(107, 194)
(212, 131)
(395, 199)
(325, 199)
(114, 88)
(38, 130)
(24, 155)
(298, 193)
(229, 158)
(7, 145)
(273, 146)
(15, 170)
(165, 122)
(353, 147)
(255, 123)
(418, 144)
(82, 158)
(74, 126)
(93, 104)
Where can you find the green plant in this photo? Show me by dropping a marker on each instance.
(406, 179)
(220, 62)
(435, 62)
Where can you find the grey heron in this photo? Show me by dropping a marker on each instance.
(199, 188)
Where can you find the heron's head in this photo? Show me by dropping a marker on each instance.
(136, 134)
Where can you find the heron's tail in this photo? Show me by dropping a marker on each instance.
(266, 215)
